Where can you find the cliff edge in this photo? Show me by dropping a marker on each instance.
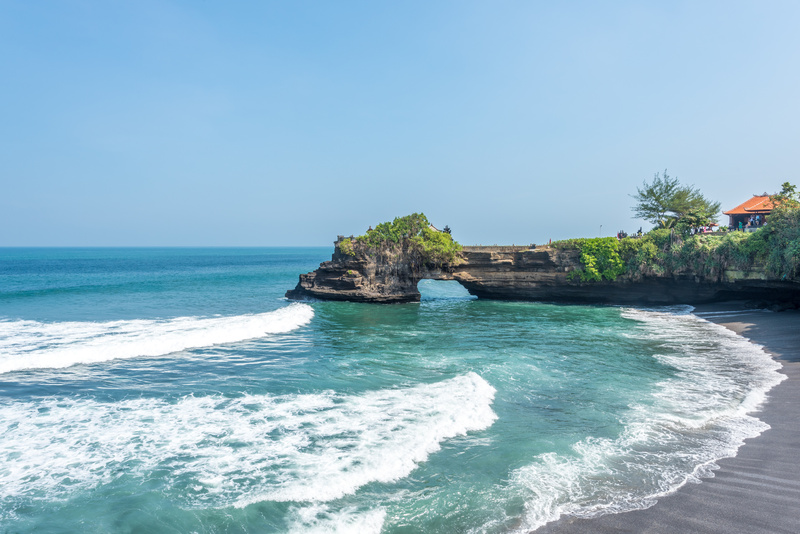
(389, 274)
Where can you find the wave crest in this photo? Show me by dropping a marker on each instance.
(35, 345)
(219, 451)
(693, 419)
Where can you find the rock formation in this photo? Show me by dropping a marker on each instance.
(390, 275)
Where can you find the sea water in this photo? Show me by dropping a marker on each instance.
(176, 390)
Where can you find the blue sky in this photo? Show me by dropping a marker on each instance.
(287, 123)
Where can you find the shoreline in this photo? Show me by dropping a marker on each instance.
(758, 489)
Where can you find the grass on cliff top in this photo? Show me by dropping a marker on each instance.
(412, 232)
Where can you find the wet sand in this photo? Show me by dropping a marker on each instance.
(758, 491)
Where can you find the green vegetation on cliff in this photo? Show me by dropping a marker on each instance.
(600, 258)
(346, 247)
(671, 248)
(411, 234)
(774, 249)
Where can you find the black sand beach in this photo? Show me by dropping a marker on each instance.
(758, 491)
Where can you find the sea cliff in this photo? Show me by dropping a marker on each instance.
(390, 275)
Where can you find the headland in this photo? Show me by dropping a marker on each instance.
(661, 267)
(389, 274)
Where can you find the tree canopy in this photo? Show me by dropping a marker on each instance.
(787, 197)
(666, 203)
(413, 231)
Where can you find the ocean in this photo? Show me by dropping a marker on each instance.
(176, 390)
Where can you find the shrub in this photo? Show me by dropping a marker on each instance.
(393, 232)
(638, 254)
(664, 251)
(699, 253)
(662, 238)
(411, 233)
(346, 247)
(783, 236)
(775, 247)
(437, 247)
(599, 256)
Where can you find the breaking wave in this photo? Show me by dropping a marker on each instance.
(698, 416)
(36, 345)
(217, 451)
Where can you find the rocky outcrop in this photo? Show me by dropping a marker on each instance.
(389, 275)
(523, 273)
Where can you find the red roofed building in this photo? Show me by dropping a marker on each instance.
(759, 206)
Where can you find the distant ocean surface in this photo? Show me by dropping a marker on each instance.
(176, 390)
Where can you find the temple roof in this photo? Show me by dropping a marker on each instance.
(757, 204)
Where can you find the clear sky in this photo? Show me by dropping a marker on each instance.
(287, 123)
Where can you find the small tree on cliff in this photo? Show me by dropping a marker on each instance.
(788, 197)
(412, 231)
(665, 202)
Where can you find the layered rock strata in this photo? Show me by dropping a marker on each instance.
(523, 273)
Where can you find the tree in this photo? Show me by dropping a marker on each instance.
(665, 202)
(787, 197)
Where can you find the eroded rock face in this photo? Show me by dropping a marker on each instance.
(520, 273)
(389, 276)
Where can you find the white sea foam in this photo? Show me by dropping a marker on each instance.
(217, 451)
(36, 345)
(319, 519)
(695, 418)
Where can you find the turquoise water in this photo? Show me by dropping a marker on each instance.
(175, 390)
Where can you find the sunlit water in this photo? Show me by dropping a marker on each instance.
(175, 390)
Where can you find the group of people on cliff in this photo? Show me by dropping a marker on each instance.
(622, 234)
(754, 221)
(701, 230)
